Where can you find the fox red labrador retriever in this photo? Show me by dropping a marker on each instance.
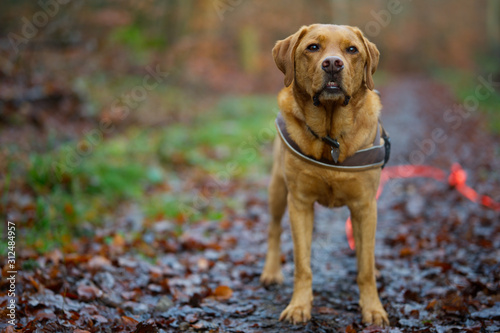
(329, 113)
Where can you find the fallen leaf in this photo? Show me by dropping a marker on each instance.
(203, 264)
(327, 310)
(99, 262)
(55, 256)
(223, 292)
(405, 252)
(118, 241)
(431, 305)
(44, 315)
(100, 319)
(195, 300)
(436, 263)
(203, 324)
(89, 292)
(146, 327)
(129, 321)
(349, 329)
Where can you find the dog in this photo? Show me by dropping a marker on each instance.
(330, 113)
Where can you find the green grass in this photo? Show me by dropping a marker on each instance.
(226, 143)
(233, 132)
(101, 91)
(464, 85)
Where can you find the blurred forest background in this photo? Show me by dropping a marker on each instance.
(83, 142)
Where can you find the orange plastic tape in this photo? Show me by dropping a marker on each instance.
(457, 179)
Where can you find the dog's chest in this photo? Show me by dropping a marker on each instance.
(333, 194)
(328, 188)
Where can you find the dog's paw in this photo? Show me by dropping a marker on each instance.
(269, 277)
(296, 313)
(375, 315)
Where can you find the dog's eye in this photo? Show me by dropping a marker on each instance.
(313, 47)
(352, 50)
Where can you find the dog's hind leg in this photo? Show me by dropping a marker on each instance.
(277, 205)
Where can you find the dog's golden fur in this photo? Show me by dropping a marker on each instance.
(299, 184)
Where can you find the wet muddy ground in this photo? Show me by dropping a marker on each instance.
(437, 253)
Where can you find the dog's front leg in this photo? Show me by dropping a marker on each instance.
(301, 219)
(364, 223)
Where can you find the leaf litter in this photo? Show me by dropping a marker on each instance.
(437, 258)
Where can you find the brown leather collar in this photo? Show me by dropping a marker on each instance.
(364, 159)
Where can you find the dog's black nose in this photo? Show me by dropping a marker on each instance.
(332, 64)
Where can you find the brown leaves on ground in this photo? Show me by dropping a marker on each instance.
(438, 263)
(223, 293)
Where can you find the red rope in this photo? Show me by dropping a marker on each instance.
(457, 179)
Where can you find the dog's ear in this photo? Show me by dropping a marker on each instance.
(284, 54)
(372, 58)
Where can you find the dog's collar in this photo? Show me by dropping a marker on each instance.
(333, 143)
(364, 159)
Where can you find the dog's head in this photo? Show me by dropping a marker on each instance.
(327, 62)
